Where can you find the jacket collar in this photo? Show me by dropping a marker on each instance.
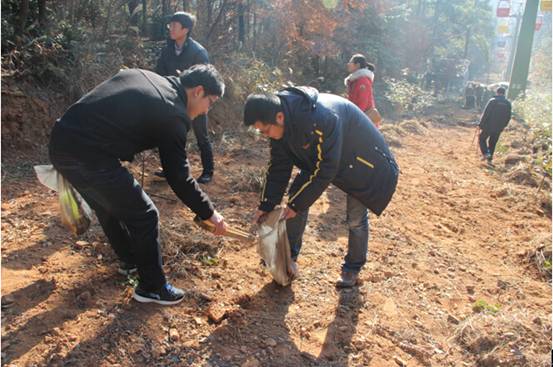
(359, 74)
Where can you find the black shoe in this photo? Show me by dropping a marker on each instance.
(160, 173)
(126, 268)
(205, 178)
(167, 295)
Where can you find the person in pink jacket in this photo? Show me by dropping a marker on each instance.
(360, 86)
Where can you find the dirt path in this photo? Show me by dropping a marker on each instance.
(454, 235)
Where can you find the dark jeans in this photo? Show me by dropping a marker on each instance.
(199, 125)
(488, 141)
(358, 239)
(127, 215)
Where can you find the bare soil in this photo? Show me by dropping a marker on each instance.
(457, 233)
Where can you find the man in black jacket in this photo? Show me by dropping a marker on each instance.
(181, 53)
(134, 111)
(495, 118)
(331, 141)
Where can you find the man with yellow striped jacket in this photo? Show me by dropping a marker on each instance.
(331, 141)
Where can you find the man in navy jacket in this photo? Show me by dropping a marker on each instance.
(134, 111)
(331, 141)
(495, 118)
(182, 52)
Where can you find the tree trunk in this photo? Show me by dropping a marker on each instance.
(165, 6)
(467, 41)
(254, 35)
(42, 21)
(209, 9)
(108, 20)
(144, 17)
(241, 25)
(133, 17)
(21, 20)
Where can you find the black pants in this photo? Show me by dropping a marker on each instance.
(202, 137)
(127, 215)
(488, 141)
(469, 102)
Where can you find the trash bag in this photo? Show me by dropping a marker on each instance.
(274, 248)
(76, 215)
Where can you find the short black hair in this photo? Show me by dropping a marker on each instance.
(261, 107)
(500, 91)
(205, 75)
(187, 20)
(370, 66)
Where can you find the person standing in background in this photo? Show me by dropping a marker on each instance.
(360, 87)
(181, 53)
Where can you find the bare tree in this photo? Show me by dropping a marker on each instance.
(21, 17)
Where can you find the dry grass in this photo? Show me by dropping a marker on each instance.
(248, 179)
(413, 127)
(392, 135)
(184, 246)
(505, 339)
(539, 256)
(522, 174)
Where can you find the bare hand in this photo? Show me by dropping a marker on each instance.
(219, 222)
(288, 213)
(259, 216)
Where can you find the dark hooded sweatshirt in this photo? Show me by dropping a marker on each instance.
(332, 141)
(133, 111)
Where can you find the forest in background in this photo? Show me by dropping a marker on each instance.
(61, 49)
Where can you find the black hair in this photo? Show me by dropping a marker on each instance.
(205, 75)
(187, 20)
(370, 66)
(500, 91)
(261, 107)
(361, 60)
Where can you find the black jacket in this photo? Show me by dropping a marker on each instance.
(192, 54)
(332, 141)
(497, 114)
(133, 111)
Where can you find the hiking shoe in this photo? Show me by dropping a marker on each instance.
(205, 178)
(160, 173)
(126, 268)
(167, 295)
(348, 279)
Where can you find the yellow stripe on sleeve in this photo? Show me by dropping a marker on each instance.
(365, 162)
(317, 166)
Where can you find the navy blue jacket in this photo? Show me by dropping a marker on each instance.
(192, 54)
(497, 114)
(332, 141)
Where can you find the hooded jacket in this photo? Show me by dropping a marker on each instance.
(192, 54)
(360, 88)
(135, 110)
(497, 114)
(332, 141)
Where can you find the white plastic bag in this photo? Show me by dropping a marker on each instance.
(274, 248)
(76, 215)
